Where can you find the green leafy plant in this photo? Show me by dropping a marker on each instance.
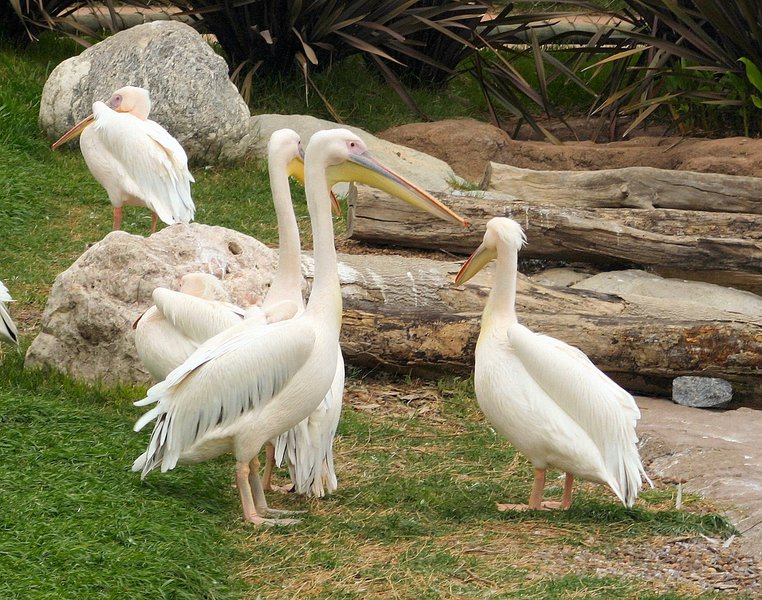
(682, 56)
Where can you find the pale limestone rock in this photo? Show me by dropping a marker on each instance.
(87, 324)
(635, 282)
(191, 94)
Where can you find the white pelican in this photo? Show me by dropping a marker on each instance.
(307, 447)
(135, 159)
(179, 322)
(251, 383)
(8, 329)
(545, 396)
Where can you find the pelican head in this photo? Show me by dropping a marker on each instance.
(285, 147)
(204, 285)
(500, 231)
(129, 99)
(348, 159)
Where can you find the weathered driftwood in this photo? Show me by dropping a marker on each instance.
(709, 246)
(632, 187)
(431, 327)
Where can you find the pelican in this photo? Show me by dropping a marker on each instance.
(179, 322)
(8, 329)
(545, 396)
(251, 383)
(308, 446)
(135, 159)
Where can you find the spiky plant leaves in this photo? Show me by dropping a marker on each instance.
(693, 46)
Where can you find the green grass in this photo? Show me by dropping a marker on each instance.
(413, 497)
(414, 515)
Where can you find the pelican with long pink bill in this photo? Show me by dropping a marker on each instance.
(135, 159)
(251, 383)
(546, 397)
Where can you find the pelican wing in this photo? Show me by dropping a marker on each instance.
(7, 326)
(606, 412)
(150, 160)
(232, 374)
(196, 318)
(5, 295)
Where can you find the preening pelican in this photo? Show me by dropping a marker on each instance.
(545, 396)
(8, 329)
(179, 322)
(249, 384)
(135, 159)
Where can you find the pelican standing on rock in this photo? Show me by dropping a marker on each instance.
(8, 329)
(135, 159)
(545, 396)
(249, 384)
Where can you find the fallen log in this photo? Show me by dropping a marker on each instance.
(631, 187)
(718, 247)
(641, 342)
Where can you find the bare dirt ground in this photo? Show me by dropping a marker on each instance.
(715, 453)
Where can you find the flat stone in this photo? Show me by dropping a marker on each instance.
(701, 392)
(560, 277)
(635, 282)
(716, 454)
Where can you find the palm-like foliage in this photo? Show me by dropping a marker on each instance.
(409, 42)
(23, 20)
(684, 55)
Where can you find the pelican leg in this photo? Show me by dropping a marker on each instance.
(244, 489)
(567, 497)
(154, 218)
(268, 474)
(118, 212)
(260, 502)
(535, 498)
(244, 477)
(267, 477)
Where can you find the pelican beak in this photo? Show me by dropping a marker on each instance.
(296, 169)
(73, 132)
(475, 263)
(365, 169)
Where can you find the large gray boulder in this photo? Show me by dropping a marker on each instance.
(191, 93)
(87, 323)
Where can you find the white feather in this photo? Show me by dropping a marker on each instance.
(8, 329)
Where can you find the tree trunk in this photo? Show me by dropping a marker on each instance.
(631, 187)
(405, 314)
(718, 247)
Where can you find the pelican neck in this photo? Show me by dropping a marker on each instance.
(500, 310)
(325, 288)
(286, 284)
